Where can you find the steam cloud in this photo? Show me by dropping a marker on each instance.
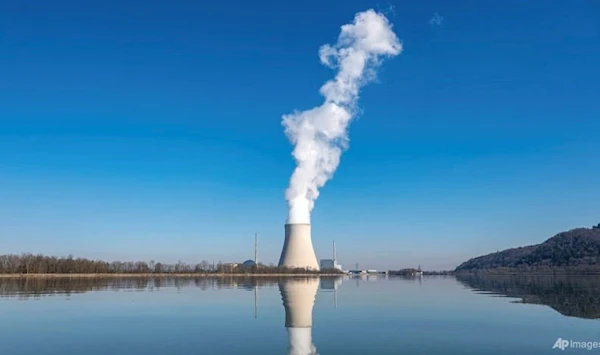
(320, 134)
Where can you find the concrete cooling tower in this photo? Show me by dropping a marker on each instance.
(298, 250)
(298, 300)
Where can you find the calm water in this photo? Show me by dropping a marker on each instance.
(431, 315)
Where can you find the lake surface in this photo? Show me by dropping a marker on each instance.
(368, 315)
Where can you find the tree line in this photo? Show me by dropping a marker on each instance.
(414, 272)
(576, 251)
(41, 264)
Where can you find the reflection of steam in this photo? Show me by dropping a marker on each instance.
(298, 297)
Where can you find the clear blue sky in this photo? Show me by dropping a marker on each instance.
(152, 130)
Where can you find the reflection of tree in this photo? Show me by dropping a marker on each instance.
(574, 296)
(26, 287)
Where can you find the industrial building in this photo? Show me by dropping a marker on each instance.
(249, 263)
(331, 263)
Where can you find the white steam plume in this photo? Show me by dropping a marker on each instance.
(321, 133)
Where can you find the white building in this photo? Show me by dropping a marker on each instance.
(330, 264)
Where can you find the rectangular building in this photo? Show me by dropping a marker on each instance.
(330, 264)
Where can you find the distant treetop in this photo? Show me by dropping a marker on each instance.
(577, 249)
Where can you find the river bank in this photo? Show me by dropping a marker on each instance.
(188, 275)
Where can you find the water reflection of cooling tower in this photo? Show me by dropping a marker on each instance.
(298, 300)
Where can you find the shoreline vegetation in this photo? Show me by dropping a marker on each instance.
(152, 275)
(527, 272)
(574, 252)
(29, 265)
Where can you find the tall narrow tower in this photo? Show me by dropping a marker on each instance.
(298, 250)
(256, 249)
(334, 258)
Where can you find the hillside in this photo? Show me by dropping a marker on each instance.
(577, 250)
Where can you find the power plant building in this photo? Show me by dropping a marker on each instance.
(330, 263)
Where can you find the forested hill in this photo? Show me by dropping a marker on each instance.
(577, 250)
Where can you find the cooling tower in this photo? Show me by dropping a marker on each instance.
(298, 300)
(298, 250)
